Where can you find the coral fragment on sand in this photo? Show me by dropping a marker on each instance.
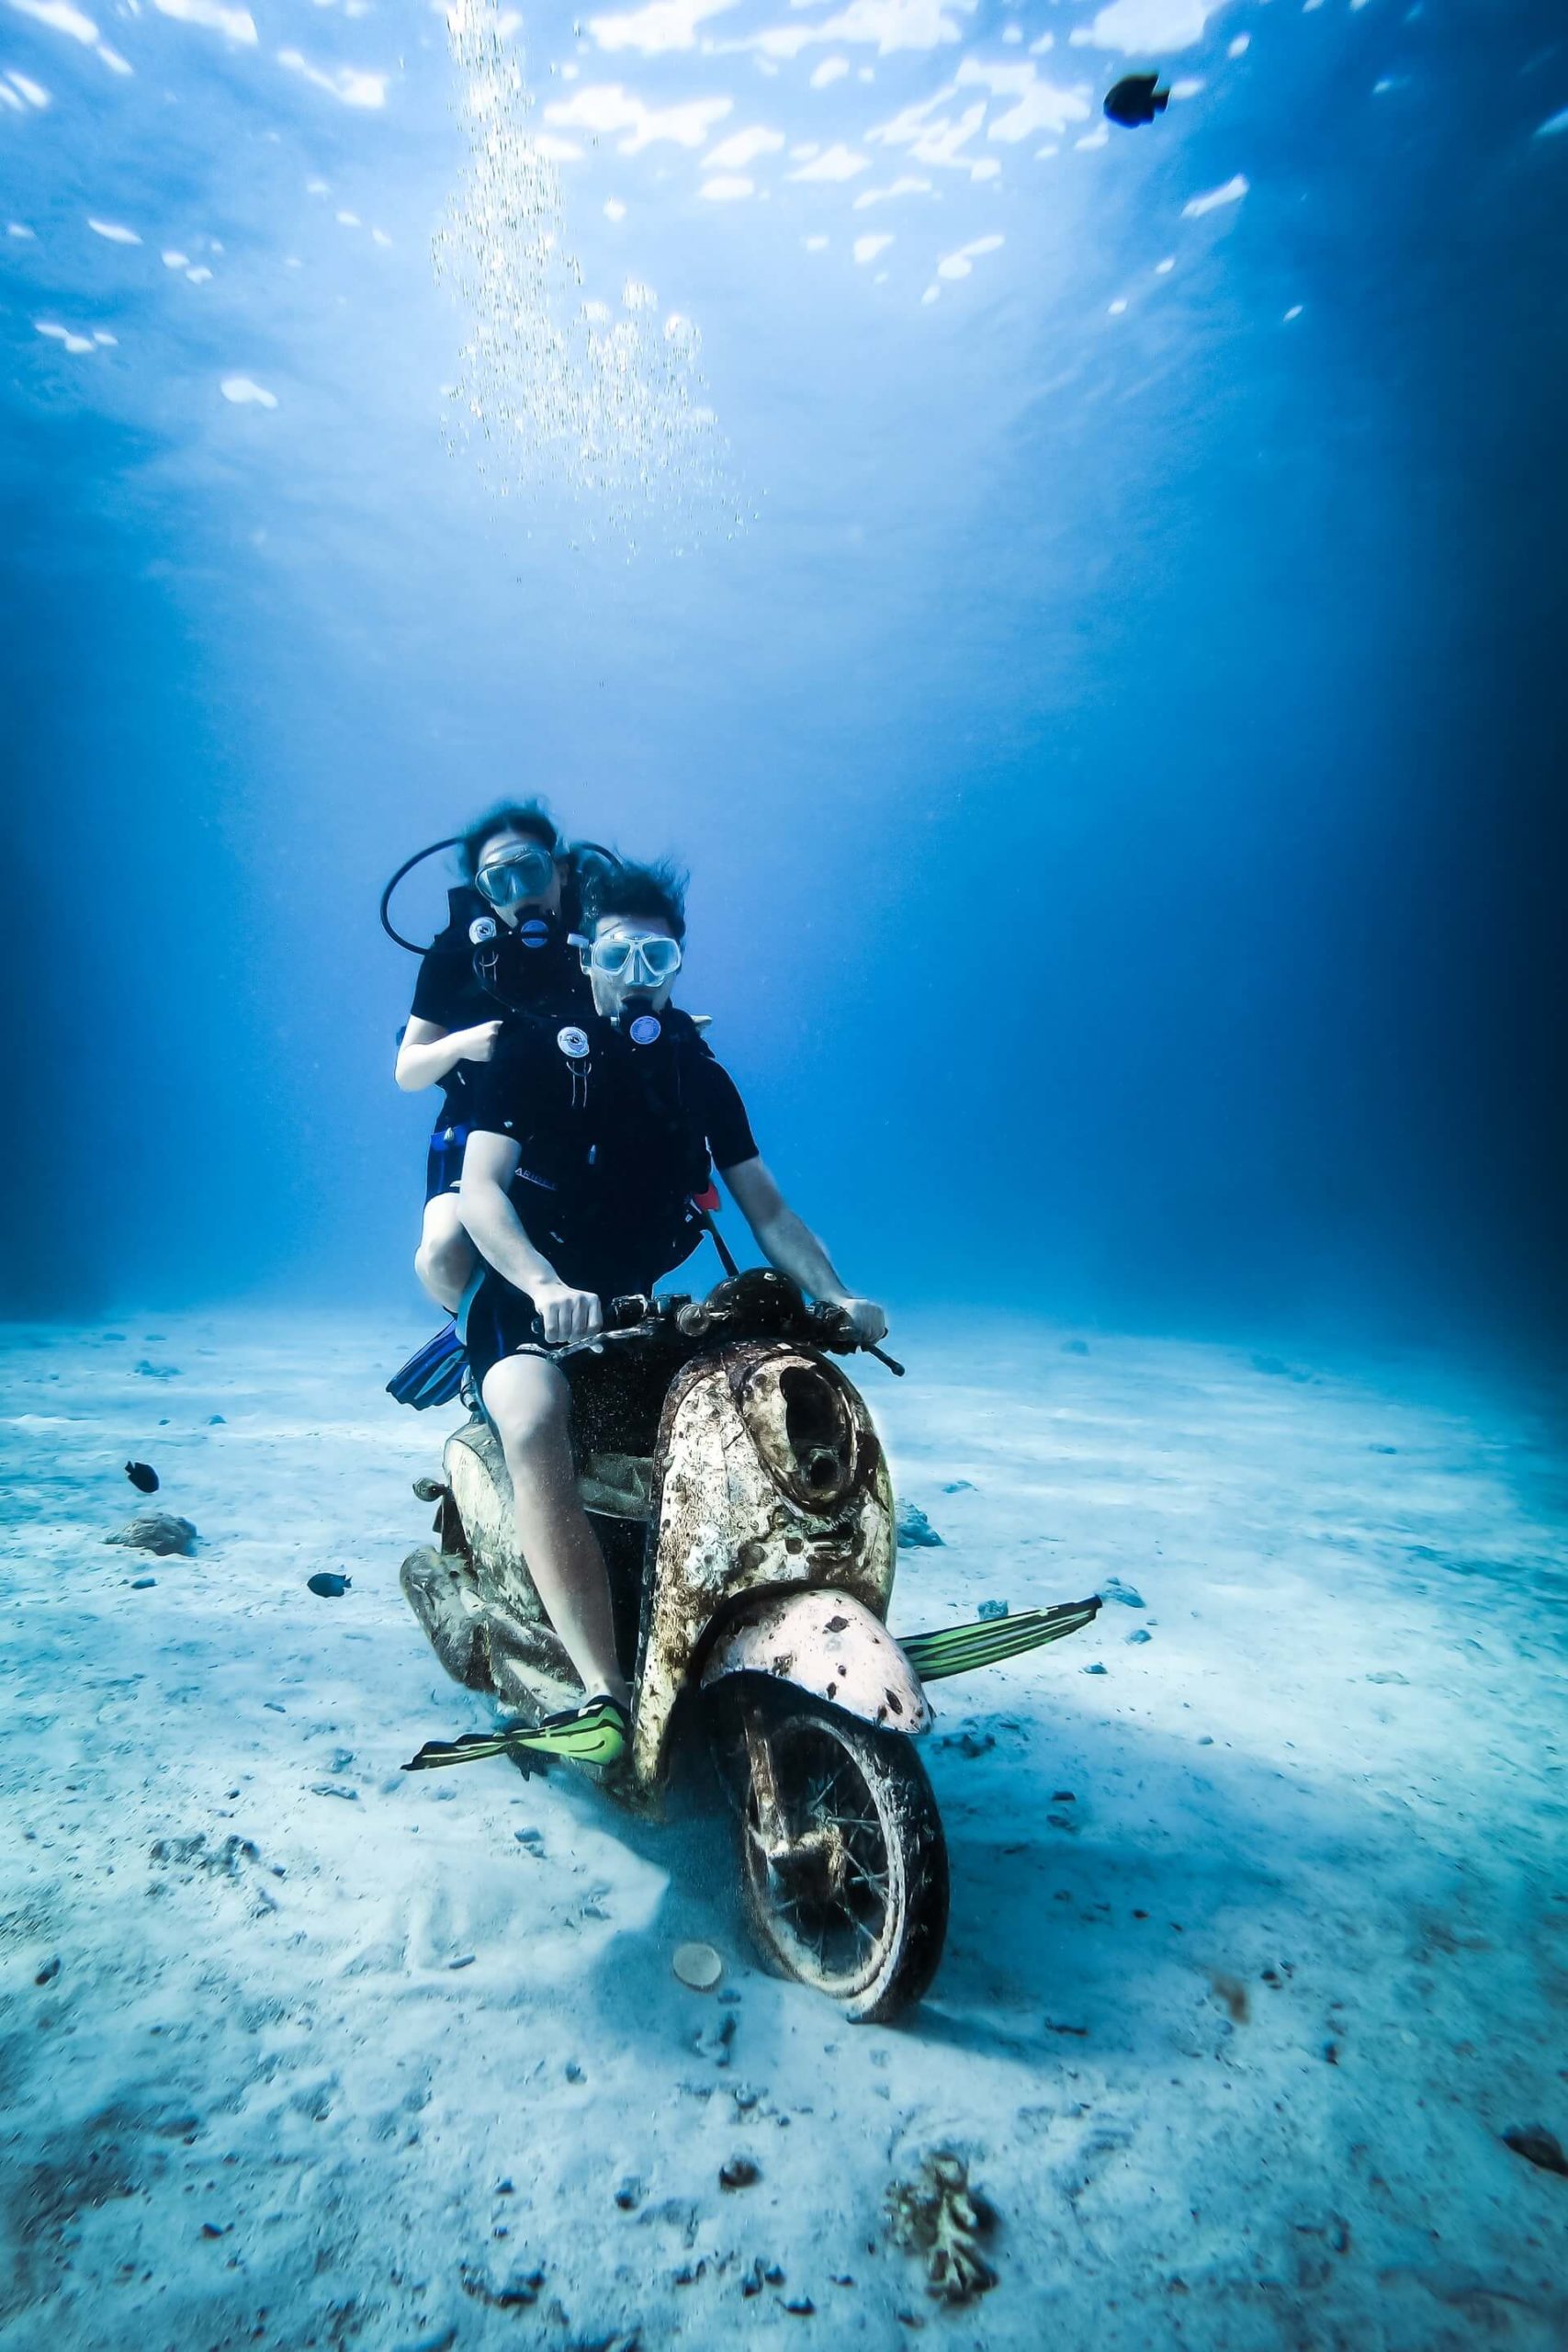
(916, 1532)
(163, 1531)
(938, 2218)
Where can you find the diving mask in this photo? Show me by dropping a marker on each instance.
(526, 872)
(644, 962)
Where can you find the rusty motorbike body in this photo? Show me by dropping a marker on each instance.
(752, 1551)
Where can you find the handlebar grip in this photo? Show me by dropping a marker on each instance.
(623, 1313)
(833, 1323)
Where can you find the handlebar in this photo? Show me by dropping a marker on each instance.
(759, 1304)
(845, 1343)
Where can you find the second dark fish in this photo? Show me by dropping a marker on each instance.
(1136, 99)
(142, 1477)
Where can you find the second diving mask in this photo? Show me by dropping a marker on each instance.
(526, 872)
(645, 962)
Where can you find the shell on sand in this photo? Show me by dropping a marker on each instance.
(697, 1965)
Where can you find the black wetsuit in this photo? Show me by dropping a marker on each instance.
(450, 994)
(616, 1144)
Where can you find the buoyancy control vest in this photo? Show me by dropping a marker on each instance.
(529, 969)
(614, 1152)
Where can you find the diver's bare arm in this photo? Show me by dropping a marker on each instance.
(489, 1162)
(788, 1243)
(784, 1239)
(428, 1053)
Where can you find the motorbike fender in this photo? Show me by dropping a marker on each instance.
(825, 1643)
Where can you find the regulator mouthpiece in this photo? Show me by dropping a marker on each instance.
(639, 1022)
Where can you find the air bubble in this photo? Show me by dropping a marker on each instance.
(553, 389)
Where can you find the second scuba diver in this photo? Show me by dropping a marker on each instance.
(505, 949)
(588, 1152)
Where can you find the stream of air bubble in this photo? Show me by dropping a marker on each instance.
(555, 389)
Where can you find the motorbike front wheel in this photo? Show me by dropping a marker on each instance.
(846, 1890)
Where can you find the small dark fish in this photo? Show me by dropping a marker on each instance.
(1531, 2140)
(1136, 99)
(330, 1587)
(142, 1477)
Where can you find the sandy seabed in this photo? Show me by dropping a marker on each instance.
(1259, 1890)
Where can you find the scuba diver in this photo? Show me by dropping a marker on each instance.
(507, 952)
(587, 1175)
(503, 950)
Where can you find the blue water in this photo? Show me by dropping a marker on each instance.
(1110, 709)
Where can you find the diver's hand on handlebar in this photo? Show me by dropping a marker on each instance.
(855, 1323)
(860, 1320)
(566, 1315)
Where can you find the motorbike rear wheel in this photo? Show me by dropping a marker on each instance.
(851, 1900)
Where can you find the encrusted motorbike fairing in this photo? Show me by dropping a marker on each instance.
(769, 1473)
(481, 1491)
(828, 1643)
(481, 1644)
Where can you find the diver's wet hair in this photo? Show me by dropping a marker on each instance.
(530, 817)
(629, 889)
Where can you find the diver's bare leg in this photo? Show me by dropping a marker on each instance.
(445, 1259)
(527, 1399)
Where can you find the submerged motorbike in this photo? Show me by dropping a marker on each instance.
(751, 1548)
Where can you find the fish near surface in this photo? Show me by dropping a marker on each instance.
(1136, 99)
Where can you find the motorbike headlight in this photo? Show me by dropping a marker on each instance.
(802, 1427)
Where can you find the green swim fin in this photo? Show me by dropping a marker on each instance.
(596, 1733)
(958, 1649)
